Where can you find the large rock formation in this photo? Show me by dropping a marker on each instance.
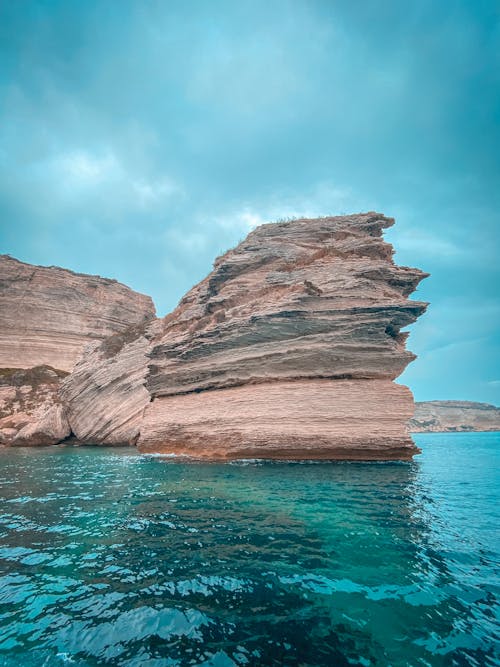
(288, 349)
(48, 315)
(442, 416)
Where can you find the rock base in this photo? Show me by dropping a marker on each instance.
(303, 419)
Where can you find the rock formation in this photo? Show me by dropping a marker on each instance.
(48, 315)
(106, 394)
(288, 349)
(441, 416)
(30, 410)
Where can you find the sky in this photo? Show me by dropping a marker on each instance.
(139, 139)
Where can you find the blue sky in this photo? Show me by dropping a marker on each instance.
(140, 139)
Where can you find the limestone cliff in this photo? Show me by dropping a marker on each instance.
(442, 416)
(48, 315)
(288, 349)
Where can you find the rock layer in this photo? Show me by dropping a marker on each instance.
(105, 396)
(31, 412)
(303, 419)
(49, 314)
(304, 299)
(442, 416)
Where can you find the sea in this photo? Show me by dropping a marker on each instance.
(109, 557)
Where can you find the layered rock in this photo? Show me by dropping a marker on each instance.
(442, 416)
(300, 419)
(105, 395)
(48, 315)
(288, 349)
(31, 412)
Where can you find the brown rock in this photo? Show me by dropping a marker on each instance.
(288, 349)
(256, 317)
(31, 412)
(298, 324)
(52, 427)
(105, 395)
(442, 416)
(49, 314)
(302, 419)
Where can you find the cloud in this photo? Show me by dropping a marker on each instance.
(321, 199)
(141, 140)
(81, 169)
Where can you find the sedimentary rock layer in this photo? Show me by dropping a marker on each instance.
(49, 314)
(303, 419)
(105, 396)
(315, 298)
(442, 416)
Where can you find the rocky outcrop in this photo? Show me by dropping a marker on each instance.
(48, 316)
(31, 412)
(105, 395)
(288, 349)
(442, 416)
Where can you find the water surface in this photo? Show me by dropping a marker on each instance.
(111, 558)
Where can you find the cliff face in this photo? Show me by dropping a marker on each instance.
(48, 316)
(105, 396)
(288, 349)
(441, 416)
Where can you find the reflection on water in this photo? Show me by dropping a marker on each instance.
(111, 558)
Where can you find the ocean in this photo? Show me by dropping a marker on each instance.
(111, 558)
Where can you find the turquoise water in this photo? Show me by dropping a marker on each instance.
(111, 558)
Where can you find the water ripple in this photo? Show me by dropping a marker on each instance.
(111, 558)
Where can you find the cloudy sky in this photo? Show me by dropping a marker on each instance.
(139, 139)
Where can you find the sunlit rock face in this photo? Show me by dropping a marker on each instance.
(288, 349)
(48, 315)
(442, 416)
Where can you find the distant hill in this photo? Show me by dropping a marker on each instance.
(442, 416)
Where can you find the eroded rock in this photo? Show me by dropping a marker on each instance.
(48, 314)
(288, 349)
(296, 325)
(31, 412)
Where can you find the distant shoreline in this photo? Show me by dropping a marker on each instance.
(454, 417)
